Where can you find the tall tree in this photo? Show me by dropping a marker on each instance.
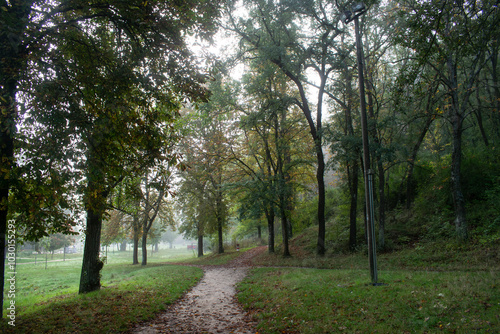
(80, 61)
(207, 151)
(153, 197)
(273, 147)
(272, 33)
(438, 31)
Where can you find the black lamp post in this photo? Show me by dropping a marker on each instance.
(347, 16)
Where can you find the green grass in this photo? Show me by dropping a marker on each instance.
(431, 287)
(293, 300)
(214, 259)
(47, 300)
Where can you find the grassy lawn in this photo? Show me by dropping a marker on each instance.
(47, 300)
(293, 300)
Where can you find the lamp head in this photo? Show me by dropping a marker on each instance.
(345, 16)
(355, 11)
(358, 7)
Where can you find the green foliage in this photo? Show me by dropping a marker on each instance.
(305, 213)
(56, 241)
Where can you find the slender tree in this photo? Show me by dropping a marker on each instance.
(439, 42)
(272, 33)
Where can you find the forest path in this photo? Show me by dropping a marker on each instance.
(211, 306)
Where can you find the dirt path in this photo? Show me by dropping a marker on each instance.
(211, 306)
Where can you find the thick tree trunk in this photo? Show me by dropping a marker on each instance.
(270, 229)
(90, 278)
(320, 177)
(135, 237)
(200, 245)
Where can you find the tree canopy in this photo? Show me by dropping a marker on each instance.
(102, 103)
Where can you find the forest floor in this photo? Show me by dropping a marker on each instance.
(211, 306)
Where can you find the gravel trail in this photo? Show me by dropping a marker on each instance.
(211, 306)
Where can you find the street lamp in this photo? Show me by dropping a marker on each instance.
(347, 16)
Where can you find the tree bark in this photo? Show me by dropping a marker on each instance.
(353, 177)
(90, 278)
(458, 197)
(496, 87)
(320, 177)
(270, 229)
(144, 249)
(135, 251)
(220, 223)
(200, 245)
(284, 229)
(457, 118)
(220, 247)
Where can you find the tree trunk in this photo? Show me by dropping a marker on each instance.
(353, 177)
(123, 246)
(90, 279)
(220, 247)
(457, 119)
(135, 252)
(200, 245)
(144, 248)
(381, 192)
(13, 59)
(270, 229)
(352, 164)
(220, 219)
(320, 177)
(284, 229)
(458, 197)
(496, 87)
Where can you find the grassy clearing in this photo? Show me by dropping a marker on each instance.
(293, 300)
(47, 299)
(432, 287)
